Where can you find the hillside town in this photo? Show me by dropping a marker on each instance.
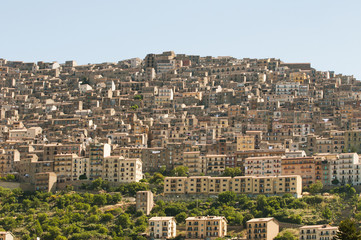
(283, 126)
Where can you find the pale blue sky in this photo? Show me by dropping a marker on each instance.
(326, 32)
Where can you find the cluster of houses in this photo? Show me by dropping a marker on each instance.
(214, 227)
(63, 123)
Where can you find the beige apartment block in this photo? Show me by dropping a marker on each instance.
(45, 181)
(50, 150)
(245, 143)
(262, 228)
(195, 163)
(144, 201)
(318, 232)
(81, 168)
(251, 185)
(162, 227)
(206, 227)
(119, 169)
(216, 164)
(97, 153)
(63, 166)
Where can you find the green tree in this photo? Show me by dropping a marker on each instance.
(316, 187)
(327, 213)
(285, 236)
(232, 172)
(157, 178)
(335, 181)
(227, 197)
(134, 107)
(138, 97)
(180, 171)
(181, 217)
(348, 230)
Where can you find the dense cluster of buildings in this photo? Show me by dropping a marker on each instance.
(61, 123)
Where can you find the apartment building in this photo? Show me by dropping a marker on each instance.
(144, 201)
(250, 185)
(318, 232)
(262, 228)
(206, 227)
(303, 166)
(119, 169)
(216, 164)
(346, 168)
(63, 167)
(45, 181)
(97, 153)
(81, 168)
(195, 162)
(162, 228)
(263, 166)
(245, 143)
(50, 150)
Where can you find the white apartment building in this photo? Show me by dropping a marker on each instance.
(162, 228)
(118, 169)
(317, 232)
(263, 166)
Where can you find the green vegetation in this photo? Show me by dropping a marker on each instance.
(286, 235)
(348, 230)
(71, 215)
(8, 178)
(128, 189)
(138, 97)
(134, 107)
(232, 172)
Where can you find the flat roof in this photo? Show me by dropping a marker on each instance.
(261, 220)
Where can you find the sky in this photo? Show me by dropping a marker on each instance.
(326, 33)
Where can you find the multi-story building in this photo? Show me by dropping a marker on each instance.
(216, 164)
(63, 167)
(144, 201)
(119, 169)
(303, 166)
(81, 168)
(51, 150)
(262, 228)
(97, 153)
(195, 162)
(245, 143)
(318, 232)
(250, 185)
(162, 227)
(206, 227)
(45, 181)
(262, 166)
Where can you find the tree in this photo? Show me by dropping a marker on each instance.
(232, 172)
(83, 177)
(138, 97)
(316, 187)
(180, 171)
(327, 213)
(285, 236)
(134, 107)
(335, 181)
(348, 230)
(181, 217)
(227, 197)
(157, 178)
